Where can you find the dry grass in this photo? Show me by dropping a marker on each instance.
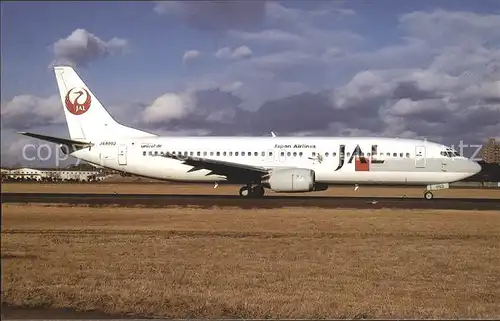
(148, 188)
(285, 263)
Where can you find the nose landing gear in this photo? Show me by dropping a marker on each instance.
(428, 195)
(434, 187)
(252, 191)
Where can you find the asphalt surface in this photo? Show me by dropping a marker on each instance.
(208, 201)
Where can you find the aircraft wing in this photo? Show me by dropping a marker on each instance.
(233, 171)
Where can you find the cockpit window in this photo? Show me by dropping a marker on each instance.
(450, 153)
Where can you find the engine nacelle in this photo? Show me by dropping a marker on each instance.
(291, 180)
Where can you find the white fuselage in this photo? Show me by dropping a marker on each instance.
(389, 161)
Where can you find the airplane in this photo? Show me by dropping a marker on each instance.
(278, 163)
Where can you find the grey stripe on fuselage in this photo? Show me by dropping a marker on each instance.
(452, 165)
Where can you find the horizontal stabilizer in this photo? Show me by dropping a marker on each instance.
(57, 140)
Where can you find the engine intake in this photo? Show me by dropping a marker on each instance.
(291, 180)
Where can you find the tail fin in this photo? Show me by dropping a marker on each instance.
(86, 116)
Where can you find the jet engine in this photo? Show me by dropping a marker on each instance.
(293, 180)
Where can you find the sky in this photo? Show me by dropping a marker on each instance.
(412, 69)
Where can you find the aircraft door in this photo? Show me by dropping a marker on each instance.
(420, 157)
(122, 154)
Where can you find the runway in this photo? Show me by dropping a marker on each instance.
(208, 201)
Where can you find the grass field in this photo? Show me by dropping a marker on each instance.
(148, 188)
(281, 263)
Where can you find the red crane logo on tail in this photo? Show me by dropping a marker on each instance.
(74, 102)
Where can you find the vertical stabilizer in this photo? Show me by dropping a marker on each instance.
(86, 116)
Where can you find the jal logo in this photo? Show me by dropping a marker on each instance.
(361, 163)
(78, 101)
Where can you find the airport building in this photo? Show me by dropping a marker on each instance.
(491, 152)
(32, 174)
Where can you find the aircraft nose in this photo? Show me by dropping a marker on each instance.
(474, 167)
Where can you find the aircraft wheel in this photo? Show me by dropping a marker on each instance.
(258, 191)
(428, 195)
(244, 191)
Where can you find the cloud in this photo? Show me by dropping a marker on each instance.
(214, 15)
(442, 27)
(241, 52)
(489, 92)
(269, 35)
(190, 55)
(167, 107)
(26, 111)
(81, 47)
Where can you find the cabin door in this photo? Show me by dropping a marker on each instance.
(122, 154)
(420, 158)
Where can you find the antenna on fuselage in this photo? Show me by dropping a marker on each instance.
(273, 134)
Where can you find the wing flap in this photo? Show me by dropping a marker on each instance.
(232, 171)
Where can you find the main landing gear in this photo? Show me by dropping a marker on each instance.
(252, 191)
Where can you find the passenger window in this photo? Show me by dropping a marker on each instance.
(144, 153)
(235, 153)
(348, 154)
(368, 154)
(242, 153)
(185, 153)
(204, 153)
(294, 154)
(156, 152)
(326, 154)
(334, 154)
(162, 153)
(218, 153)
(300, 154)
(211, 153)
(249, 153)
(230, 153)
(198, 154)
(314, 153)
(388, 154)
(270, 153)
(395, 154)
(191, 153)
(150, 153)
(407, 155)
(288, 154)
(255, 154)
(263, 153)
(282, 153)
